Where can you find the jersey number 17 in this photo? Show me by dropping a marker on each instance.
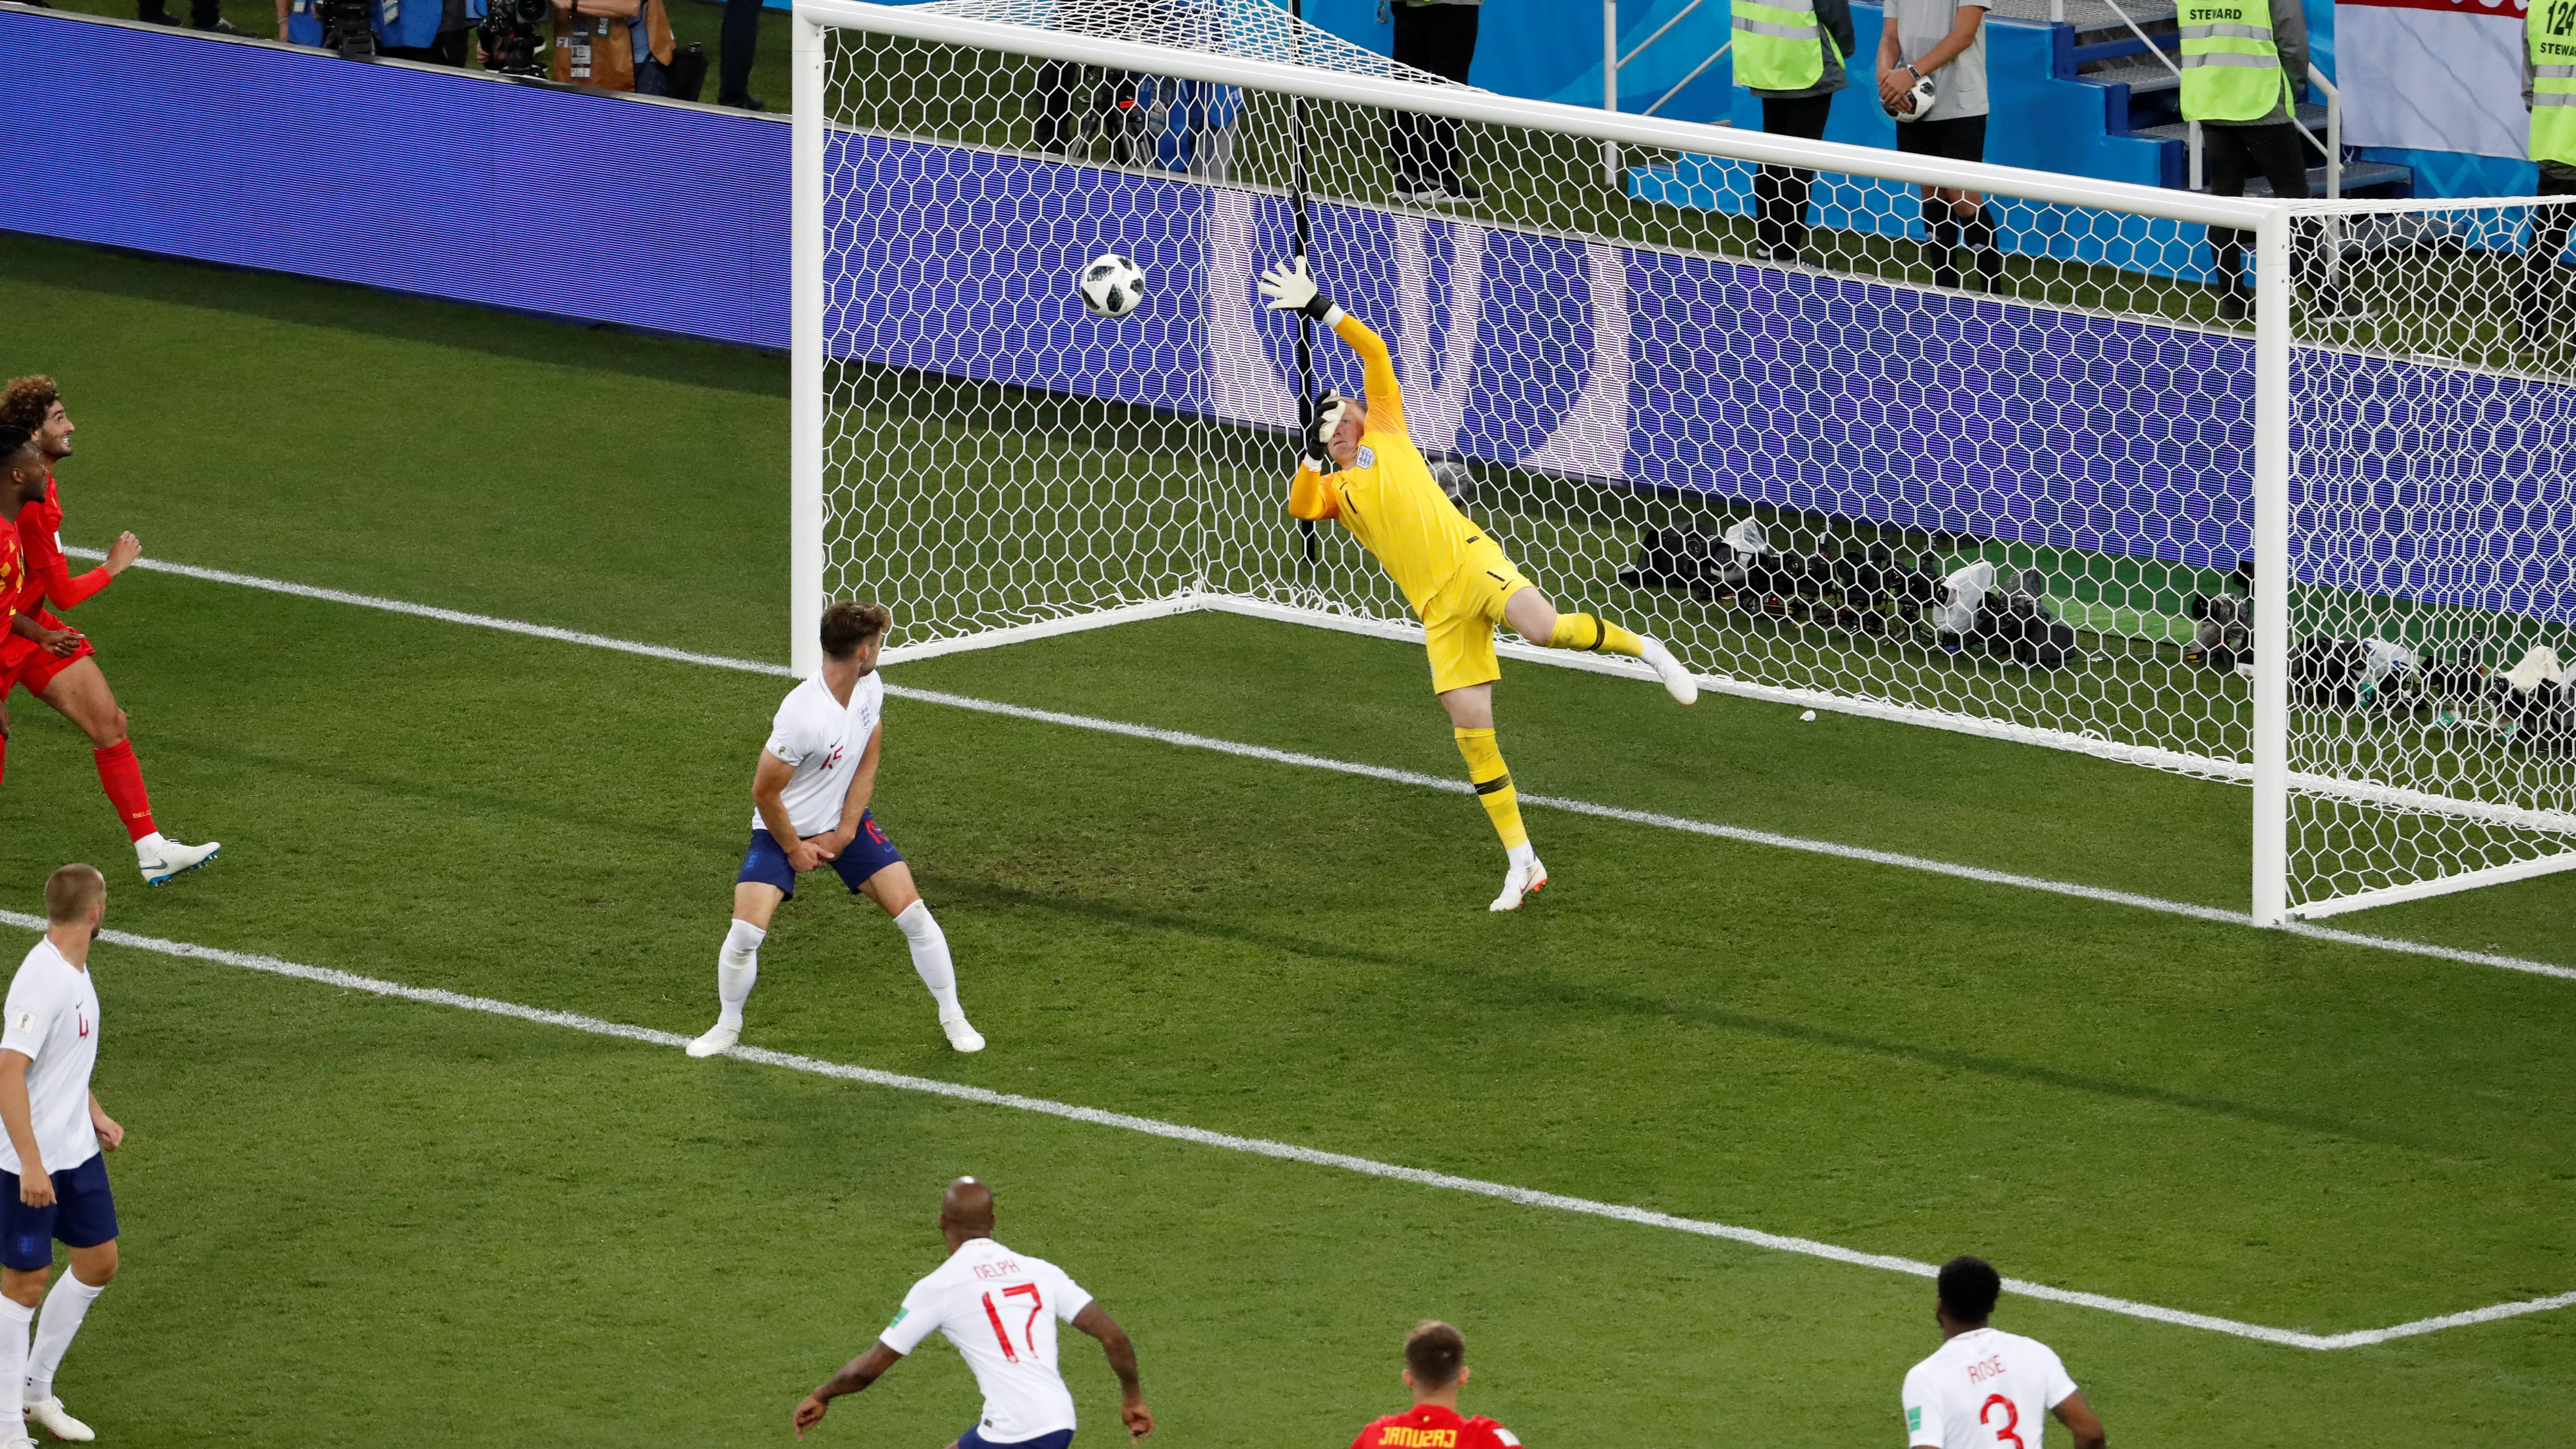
(1028, 1330)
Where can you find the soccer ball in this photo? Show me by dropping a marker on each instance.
(1112, 286)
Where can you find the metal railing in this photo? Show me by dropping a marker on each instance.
(1612, 62)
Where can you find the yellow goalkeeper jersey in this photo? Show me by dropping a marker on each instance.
(1387, 500)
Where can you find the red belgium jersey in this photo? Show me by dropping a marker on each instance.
(1428, 1426)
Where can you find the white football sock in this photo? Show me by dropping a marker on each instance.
(14, 1318)
(930, 958)
(1523, 855)
(65, 1307)
(737, 967)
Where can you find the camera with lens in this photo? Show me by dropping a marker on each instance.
(348, 26)
(514, 35)
(2224, 637)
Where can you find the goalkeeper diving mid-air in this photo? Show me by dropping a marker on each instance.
(1457, 580)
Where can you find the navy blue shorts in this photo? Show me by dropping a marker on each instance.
(974, 1439)
(865, 855)
(83, 1215)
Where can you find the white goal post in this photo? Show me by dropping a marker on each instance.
(1984, 448)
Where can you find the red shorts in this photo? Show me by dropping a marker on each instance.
(24, 661)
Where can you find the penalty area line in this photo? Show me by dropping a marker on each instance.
(1291, 1152)
(1737, 833)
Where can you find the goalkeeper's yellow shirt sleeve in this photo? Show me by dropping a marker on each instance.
(1309, 499)
(1377, 372)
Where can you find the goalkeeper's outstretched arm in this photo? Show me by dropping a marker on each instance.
(1291, 290)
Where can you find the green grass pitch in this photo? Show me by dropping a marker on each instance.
(358, 1221)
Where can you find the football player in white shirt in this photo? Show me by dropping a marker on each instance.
(809, 799)
(1000, 1308)
(53, 1185)
(1986, 1387)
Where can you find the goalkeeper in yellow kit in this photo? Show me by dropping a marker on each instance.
(1457, 580)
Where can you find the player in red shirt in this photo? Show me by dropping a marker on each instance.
(25, 641)
(67, 677)
(1435, 1368)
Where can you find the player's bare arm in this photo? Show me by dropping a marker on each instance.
(1095, 1320)
(855, 1375)
(18, 1116)
(110, 1135)
(2081, 1421)
(768, 779)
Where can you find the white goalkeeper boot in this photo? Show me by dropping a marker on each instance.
(1677, 680)
(161, 858)
(47, 1413)
(1524, 880)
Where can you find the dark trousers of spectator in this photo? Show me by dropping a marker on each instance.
(1950, 225)
(1442, 40)
(2228, 155)
(1069, 95)
(449, 49)
(741, 40)
(1780, 192)
(201, 13)
(2536, 291)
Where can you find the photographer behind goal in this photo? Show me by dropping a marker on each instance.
(612, 45)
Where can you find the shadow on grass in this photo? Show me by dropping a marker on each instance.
(1510, 993)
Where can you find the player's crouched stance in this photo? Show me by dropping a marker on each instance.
(53, 1185)
(1361, 467)
(810, 809)
(1435, 1368)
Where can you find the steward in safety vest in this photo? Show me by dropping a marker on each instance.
(1790, 53)
(2244, 65)
(2549, 85)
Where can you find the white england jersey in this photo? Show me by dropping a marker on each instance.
(823, 738)
(1984, 1388)
(53, 1022)
(1000, 1308)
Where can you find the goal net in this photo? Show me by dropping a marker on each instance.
(1993, 450)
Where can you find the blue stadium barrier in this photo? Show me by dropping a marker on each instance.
(412, 178)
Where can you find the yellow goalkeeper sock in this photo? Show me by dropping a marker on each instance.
(1493, 785)
(1582, 631)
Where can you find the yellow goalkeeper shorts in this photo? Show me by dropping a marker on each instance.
(1458, 622)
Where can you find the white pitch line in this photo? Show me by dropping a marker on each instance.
(1737, 833)
(1290, 1152)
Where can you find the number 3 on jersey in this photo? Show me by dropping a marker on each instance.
(2004, 1435)
(1028, 1330)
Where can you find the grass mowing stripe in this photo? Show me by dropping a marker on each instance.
(1290, 1152)
(1979, 874)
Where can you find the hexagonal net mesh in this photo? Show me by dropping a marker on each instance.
(1960, 457)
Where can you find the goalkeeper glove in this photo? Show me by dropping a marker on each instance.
(1291, 290)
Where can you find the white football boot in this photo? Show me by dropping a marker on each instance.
(47, 1414)
(718, 1038)
(1677, 680)
(163, 858)
(961, 1035)
(1524, 880)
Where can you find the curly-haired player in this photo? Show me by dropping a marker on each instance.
(1457, 580)
(72, 683)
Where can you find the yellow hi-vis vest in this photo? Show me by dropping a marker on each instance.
(2550, 28)
(1776, 45)
(2231, 70)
